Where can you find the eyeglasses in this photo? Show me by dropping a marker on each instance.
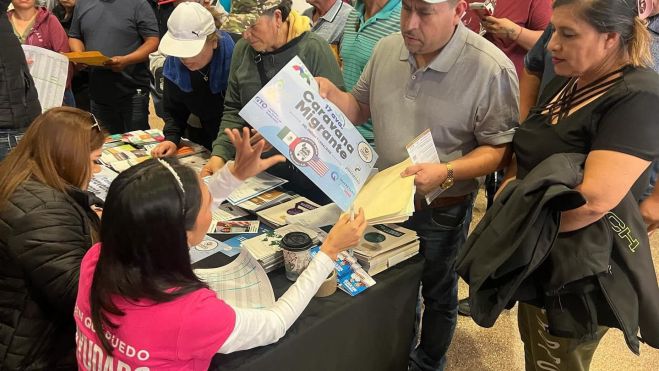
(95, 121)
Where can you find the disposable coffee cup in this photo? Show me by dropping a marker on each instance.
(297, 255)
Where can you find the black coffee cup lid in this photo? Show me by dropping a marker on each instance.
(296, 241)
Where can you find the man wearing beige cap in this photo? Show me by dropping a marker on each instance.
(437, 74)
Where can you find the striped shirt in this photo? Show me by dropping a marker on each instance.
(359, 39)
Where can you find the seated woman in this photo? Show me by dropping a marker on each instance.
(196, 72)
(605, 106)
(138, 291)
(272, 35)
(46, 227)
(37, 26)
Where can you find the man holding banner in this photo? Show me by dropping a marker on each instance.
(437, 74)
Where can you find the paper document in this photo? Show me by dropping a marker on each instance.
(388, 197)
(254, 186)
(237, 226)
(209, 246)
(100, 182)
(91, 58)
(312, 133)
(422, 150)
(267, 199)
(242, 283)
(323, 216)
(49, 71)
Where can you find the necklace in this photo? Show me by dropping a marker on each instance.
(205, 76)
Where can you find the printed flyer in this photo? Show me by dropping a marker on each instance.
(312, 133)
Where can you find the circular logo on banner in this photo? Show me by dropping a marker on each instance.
(206, 245)
(304, 151)
(365, 152)
(374, 237)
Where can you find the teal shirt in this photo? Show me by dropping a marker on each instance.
(359, 39)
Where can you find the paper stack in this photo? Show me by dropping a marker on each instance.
(122, 157)
(255, 186)
(267, 199)
(276, 216)
(384, 246)
(265, 248)
(387, 197)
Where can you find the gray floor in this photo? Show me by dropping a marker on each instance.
(499, 348)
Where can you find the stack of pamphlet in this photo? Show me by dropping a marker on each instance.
(276, 216)
(265, 247)
(255, 186)
(267, 199)
(384, 246)
(122, 157)
(140, 138)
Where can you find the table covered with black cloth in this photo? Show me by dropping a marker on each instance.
(371, 331)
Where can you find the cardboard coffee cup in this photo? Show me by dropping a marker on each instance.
(295, 247)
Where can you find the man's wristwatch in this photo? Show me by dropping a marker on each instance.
(448, 183)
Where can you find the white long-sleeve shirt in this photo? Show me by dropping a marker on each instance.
(258, 327)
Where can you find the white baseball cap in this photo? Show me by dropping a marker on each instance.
(187, 28)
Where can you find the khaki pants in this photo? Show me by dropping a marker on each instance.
(543, 351)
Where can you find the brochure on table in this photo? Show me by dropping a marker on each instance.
(312, 133)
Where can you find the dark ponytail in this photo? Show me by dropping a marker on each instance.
(621, 17)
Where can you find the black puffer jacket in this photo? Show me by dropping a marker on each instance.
(44, 235)
(18, 97)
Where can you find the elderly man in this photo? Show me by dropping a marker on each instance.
(437, 74)
(328, 19)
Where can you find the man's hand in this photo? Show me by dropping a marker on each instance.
(214, 164)
(326, 88)
(502, 27)
(248, 161)
(117, 64)
(165, 149)
(427, 177)
(650, 212)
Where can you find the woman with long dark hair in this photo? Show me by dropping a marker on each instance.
(46, 227)
(139, 303)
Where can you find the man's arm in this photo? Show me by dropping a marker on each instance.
(529, 89)
(355, 111)
(76, 45)
(481, 161)
(141, 54)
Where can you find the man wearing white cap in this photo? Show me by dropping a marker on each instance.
(196, 74)
(437, 74)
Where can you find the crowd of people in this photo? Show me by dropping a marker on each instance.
(521, 89)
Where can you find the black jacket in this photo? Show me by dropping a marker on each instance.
(19, 104)
(599, 275)
(44, 235)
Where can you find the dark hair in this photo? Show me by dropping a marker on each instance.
(144, 253)
(621, 17)
(284, 7)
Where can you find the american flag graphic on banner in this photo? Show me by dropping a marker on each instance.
(293, 141)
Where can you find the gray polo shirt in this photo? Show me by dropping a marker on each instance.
(468, 96)
(330, 26)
